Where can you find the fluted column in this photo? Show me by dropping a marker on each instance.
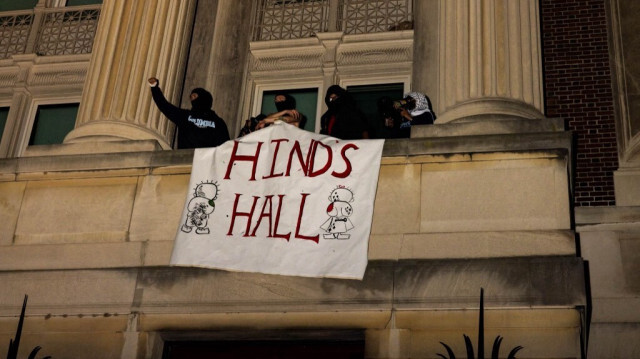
(488, 58)
(135, 40)
(228, 57)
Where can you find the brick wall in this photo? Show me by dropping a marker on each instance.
(578, 88)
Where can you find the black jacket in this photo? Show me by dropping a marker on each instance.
(198, 127)
(350, 123)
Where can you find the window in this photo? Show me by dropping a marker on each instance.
(367, 96)
(53, 123)
(306, 103)
(17, 5)
(83, 2)
(4, 113)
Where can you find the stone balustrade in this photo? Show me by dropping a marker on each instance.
(49, 31)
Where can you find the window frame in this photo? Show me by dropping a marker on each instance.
(27, 128)
(405, 79)
(298, 84)
(36, 115)
(6, 136)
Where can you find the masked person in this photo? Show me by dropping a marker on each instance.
(286, 107)
(416, 108)
(343, 119)
(394, 125)
(198, 127)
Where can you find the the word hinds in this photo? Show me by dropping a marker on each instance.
(308, 163)
(267, 213)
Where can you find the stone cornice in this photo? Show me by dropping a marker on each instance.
(73, 165)
(44, 76)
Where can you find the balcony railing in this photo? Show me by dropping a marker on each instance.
(292, 19)
(14, 32)
(365, 16)
(48, 31)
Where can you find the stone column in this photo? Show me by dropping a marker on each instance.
(481, 60)
(228, 59)
(18, 110)
(200, 49)
(135, 40)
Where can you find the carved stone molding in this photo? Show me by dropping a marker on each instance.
(58, 74)
(8, 77)
(287, 59)
(378, 49)
(38, 73)
(379, 54)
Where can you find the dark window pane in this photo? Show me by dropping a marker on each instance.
(306, 104)
(53, 123)
(4, 113)
(366, 96)
(9, 5)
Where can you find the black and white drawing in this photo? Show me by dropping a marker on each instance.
(339, 211)
(200, 207)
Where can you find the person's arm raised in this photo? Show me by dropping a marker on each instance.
(173, 113)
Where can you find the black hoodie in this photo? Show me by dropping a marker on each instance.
(349, 122)
(198, 127)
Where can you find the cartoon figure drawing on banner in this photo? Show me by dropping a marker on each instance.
(339, 211)
(200, 207)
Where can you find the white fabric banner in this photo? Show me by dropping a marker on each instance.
(281, 201)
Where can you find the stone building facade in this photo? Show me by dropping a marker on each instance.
(528, 185)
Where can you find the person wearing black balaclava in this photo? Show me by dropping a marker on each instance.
(343, 119)
(394, 125)
(198, 127)
(286, 107)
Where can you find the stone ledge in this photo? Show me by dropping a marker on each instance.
(627, 186)
(298, 320)
(513, 282)
(488, 126)
(465, 245)
(181, 160)
(96, 165)
(551, 141)
(394, 247)
(87, 148)
(70, 256)
(403, 285)
(621, 309)
(606, 215)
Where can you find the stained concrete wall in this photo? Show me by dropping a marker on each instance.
(610, 243)
(89, 236)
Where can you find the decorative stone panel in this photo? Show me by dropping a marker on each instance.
(45, 73)
(287, 57)
(383, 52)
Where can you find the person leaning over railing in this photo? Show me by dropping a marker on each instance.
(416, 108)
(286, 107)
